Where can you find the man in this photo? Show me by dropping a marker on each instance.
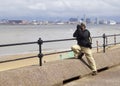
(84, 46)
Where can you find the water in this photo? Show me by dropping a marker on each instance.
(28, 33)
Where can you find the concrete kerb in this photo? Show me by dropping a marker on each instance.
(54, 73)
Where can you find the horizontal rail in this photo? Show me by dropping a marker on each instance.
(75, 38)
(112, 35)
(59, 40)
(18, 59)
(97, 36)
(98, 46)
(113, 43)
(67, 39)
(15, 44)
(58, 52)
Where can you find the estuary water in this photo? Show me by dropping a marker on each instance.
(29, 33)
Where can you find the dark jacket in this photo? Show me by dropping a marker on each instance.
(83, 37)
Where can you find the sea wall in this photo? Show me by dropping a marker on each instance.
(56, 72)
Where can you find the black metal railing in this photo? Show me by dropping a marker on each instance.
(40, 42)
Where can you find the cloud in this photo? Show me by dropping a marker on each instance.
(59, 8)
(37, 6)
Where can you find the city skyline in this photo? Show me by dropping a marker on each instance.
(59, 9)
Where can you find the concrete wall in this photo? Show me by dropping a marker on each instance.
(54, 73)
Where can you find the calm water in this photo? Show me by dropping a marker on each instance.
(28, 33)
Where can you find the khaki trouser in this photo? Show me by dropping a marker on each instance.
(88, 53)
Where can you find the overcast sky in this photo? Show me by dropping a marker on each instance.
(58, 8)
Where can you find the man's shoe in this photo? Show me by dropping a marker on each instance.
(80, 56)
(94, 73)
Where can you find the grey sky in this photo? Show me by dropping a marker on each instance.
(58, 8)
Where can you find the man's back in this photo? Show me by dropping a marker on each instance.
(82, 36)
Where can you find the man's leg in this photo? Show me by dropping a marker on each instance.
(77, 50)
(91, 61)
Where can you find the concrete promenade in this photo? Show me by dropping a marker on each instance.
(56, 73)
(109, 77)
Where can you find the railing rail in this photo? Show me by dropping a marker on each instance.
(59, 40)
(15, 44)
(40, 42)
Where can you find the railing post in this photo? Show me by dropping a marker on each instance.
(104, 36)
(114, 39)
(97, 46)
(106, 41)
(40, 55)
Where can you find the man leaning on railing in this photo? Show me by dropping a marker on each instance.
(84, 46)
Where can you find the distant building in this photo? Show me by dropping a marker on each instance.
(59, 22)
(84, 18)
(15, 21)
(34, 22)
(73, 20)
(112, 22)
(103, 22)
(96, 21)
(88, 20)
(45, 22)
(4, 21)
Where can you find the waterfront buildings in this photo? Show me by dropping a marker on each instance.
(73, 20)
